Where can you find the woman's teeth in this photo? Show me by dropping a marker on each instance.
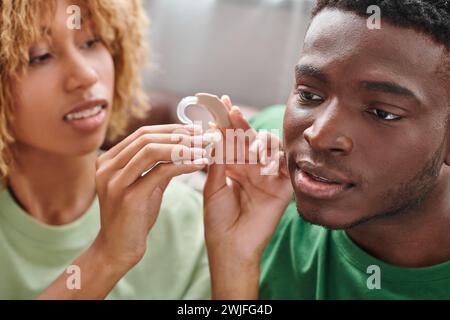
(84, 114)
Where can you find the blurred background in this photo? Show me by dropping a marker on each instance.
(244, 48)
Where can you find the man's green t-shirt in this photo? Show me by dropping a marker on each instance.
(33, 255)
(305, 261)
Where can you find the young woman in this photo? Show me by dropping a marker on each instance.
(61, 203)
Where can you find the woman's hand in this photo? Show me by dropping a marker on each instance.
(130, 202)
(243, 205)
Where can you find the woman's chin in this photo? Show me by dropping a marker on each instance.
(89, 148)
(83, 146)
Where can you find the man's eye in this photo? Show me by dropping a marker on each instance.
(384, 115)
(40, 59)
(306, 96)
(90, 44)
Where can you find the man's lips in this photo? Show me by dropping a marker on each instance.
(323, 173)
(320, 182)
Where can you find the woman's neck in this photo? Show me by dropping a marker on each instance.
(53, 189)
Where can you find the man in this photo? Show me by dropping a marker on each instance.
(367, 142)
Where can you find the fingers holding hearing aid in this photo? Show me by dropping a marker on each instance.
(255, 147)
(145, 130)
(147, 141)
(131, 179)
(148, 149)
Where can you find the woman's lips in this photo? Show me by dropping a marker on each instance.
(87, 116)
(317, 187)
(90, 123)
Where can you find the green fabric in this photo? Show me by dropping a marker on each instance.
(32, 255)
(304, 261)
(269, 119)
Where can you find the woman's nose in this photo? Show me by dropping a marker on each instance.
(80, 73)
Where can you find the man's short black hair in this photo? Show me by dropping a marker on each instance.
(431, 17)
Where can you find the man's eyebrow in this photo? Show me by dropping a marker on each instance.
(310, 71)
(388, 87)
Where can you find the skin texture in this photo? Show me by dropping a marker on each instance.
(337, 118)
(56, 173)
(397, 166)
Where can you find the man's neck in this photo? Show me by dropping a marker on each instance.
(54, 189)
(418, 238)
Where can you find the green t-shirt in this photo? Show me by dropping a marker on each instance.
(305, 261)
(33, 255)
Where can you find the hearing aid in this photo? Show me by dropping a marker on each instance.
(209, 102)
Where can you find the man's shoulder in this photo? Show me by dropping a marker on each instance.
(292, 248)
(293, 233)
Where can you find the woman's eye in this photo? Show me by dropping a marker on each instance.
(384, 115)
(40, 59)
(90, 44)
(306, 96)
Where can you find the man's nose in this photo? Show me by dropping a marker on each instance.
(330, 131)
(81, 74)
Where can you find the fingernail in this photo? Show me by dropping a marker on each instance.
(199, 152)
(212, 137)
(201, 161)
(255, 146)
(237, 110)
(198, 140)
(212, 125)
(194, 128)
(226, 98)
(264, 160)
(175, 137)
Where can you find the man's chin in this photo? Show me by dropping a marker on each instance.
(328, 220)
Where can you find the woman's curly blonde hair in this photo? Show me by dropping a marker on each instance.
(120, 24)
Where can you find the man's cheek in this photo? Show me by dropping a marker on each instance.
(293, 132)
